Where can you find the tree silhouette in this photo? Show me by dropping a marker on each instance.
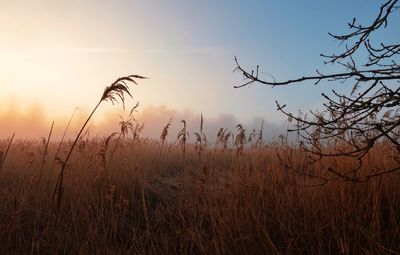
(353, 124)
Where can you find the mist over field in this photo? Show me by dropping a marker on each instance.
(33, 123)
(199, 127)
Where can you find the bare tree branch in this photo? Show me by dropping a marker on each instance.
(351, 125)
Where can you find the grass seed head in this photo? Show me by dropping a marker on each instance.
(164, 132)
(118, 89)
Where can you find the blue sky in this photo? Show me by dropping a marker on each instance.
(63, 53)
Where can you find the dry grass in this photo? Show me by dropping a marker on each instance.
(123, 196)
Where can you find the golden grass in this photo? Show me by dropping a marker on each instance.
(123, 196)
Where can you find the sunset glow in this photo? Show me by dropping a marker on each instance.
(199, 127)
(58, 55)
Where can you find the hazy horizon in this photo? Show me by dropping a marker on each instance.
(58, 55)
(34, 124)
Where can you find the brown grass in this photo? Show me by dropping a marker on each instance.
(145, 204)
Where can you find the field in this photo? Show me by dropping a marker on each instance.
(134, 195)
(299, 154)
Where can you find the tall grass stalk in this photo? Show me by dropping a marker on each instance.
(200, 145)
(112, 93)
(45, 152)
(182, 139)
(63, 137)
(163, 135)
(5, 154)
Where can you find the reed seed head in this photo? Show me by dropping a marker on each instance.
(118, 89)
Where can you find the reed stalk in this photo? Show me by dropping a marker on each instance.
(5, 154)
(112, 93)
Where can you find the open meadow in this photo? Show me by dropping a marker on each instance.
(134, 195)
(313, 167)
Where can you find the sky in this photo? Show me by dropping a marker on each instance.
(58, 55)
